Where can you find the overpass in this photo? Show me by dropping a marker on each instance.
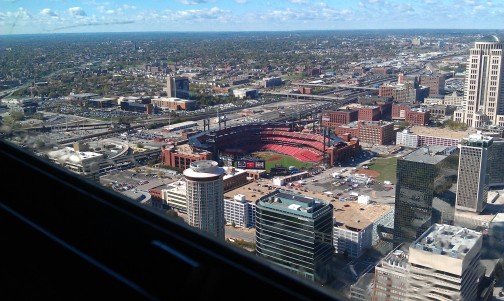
(337, 86)
(60, 126)
(307, 96)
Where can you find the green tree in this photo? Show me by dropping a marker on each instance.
(403, 125)
(17, 115)
(453, 125)
(38, 116)
(10, 124)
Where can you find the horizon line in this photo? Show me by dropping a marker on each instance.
(245, 31)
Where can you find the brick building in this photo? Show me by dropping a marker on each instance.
(435, 83)
(369, 113)
(385, 104)
(234, 178)
(174, 103)
(385, 109)
(400, 110)
(381, 70)
(351, 129)
(377, 132)
(335, 118)
(343, 151)
(404, 93)
(386, 91)
(181, 156)
(305, 90)
(418, 117)
(372, 132)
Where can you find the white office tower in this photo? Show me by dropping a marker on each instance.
(205, 197)
(484, 86)
(472, 183)
(444, 264)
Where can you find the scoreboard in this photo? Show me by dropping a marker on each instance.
(250, 164)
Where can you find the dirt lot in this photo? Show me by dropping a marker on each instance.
(367, 172)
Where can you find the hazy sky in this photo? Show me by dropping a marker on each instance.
(53, 16)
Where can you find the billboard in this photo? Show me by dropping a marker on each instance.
(251, 164)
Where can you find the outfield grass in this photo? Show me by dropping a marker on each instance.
(284, 160)
(386, 167)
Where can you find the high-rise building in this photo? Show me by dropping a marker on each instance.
(472, 184)
(177, 86)
(496, 157)
(295, 232)
(424, 178)
(391, 276)
(444, 264)
(484, 86)
(239, 211)
(436, 84)
(205, 197)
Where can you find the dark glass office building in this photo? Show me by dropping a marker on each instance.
(495, 168)
(295, 232)
(425, 193)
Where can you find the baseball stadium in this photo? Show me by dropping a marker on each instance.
(235, 142)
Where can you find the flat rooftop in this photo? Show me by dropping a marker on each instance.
(177, 187)
(231, 172)
(345, 110)
(153, 184)
(349, 106)
(447, 240)
(68, 154)
(440, 132)
(397, 258)
(355, 124)
(83, 95)
(431, 154)
(477, 140)
(293, 203)
(138, 196)
(251, 191)
(355, 216)
(186, 149)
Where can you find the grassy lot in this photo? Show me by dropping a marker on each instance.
(386, 167)
(284, 160)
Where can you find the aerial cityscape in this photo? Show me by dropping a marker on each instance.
(367, 162)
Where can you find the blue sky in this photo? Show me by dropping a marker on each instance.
(59, 16)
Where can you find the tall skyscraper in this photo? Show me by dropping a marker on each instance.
(205, 197)
(171, 87)
(444, 264)
(496, 156)
(295, 232)
(424, 179)
(484, 86)
(472, 184)
(177, 86)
